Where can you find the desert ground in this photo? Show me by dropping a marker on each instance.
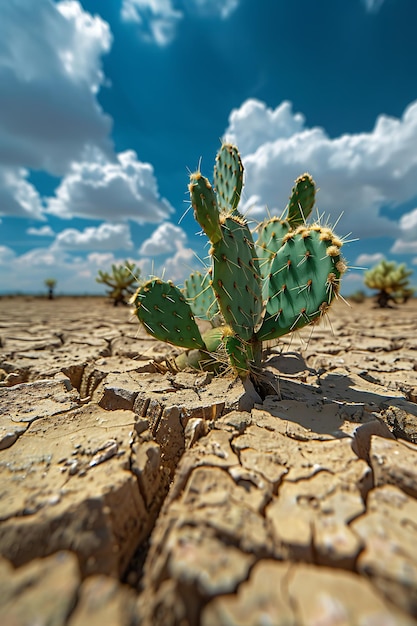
(134, 495)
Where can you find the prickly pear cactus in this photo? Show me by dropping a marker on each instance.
(262, 284)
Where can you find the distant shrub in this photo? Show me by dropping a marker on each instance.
(391, 282)
(122, 281)
(50, 283)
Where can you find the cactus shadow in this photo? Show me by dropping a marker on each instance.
(328, 402)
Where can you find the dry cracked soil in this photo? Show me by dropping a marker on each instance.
(132, 496)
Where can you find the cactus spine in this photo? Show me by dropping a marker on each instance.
(260, 289)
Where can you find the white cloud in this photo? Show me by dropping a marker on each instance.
(165, 239)
(368, 260)
(407, 242)
(7, 255)
(356, 173)
(373, 6)
(50, 72)
(179, 266)
(255, 124)
(43, 231)
(157, 20)
(100, 189)
(18, 197)
(74, 273)
(50, 119)
(104, 237)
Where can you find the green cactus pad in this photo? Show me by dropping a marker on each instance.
(204, 203)
(237, 351)
(302, 200)
(228, 177)
(270, 235)
(166, 315)
(200, 296)
(303, 281)
(236, 278)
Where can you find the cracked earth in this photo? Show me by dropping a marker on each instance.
(130, 496)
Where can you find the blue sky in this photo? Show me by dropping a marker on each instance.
(106, 105)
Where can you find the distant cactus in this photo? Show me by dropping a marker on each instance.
(50, 283)
(391, 282)
(259, 289)
(122, 281)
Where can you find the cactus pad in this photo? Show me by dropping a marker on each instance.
(166, 315)
(304, 279)
(204, 203)
(270, 235)
(200, 296)
(302, 200)
(228, 177)
(236, 278)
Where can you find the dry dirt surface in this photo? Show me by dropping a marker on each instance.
(131, 496)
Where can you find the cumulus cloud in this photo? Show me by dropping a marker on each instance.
(101, 189)
(178, 266)
(356, 173)
(157, 20)
(104, 237)
(7, 255)
(407, 242)
(50, 72)
(165, 239)
(18, 197)
(255, 124)
(43, 231)
(75, 273)
(368, 260)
